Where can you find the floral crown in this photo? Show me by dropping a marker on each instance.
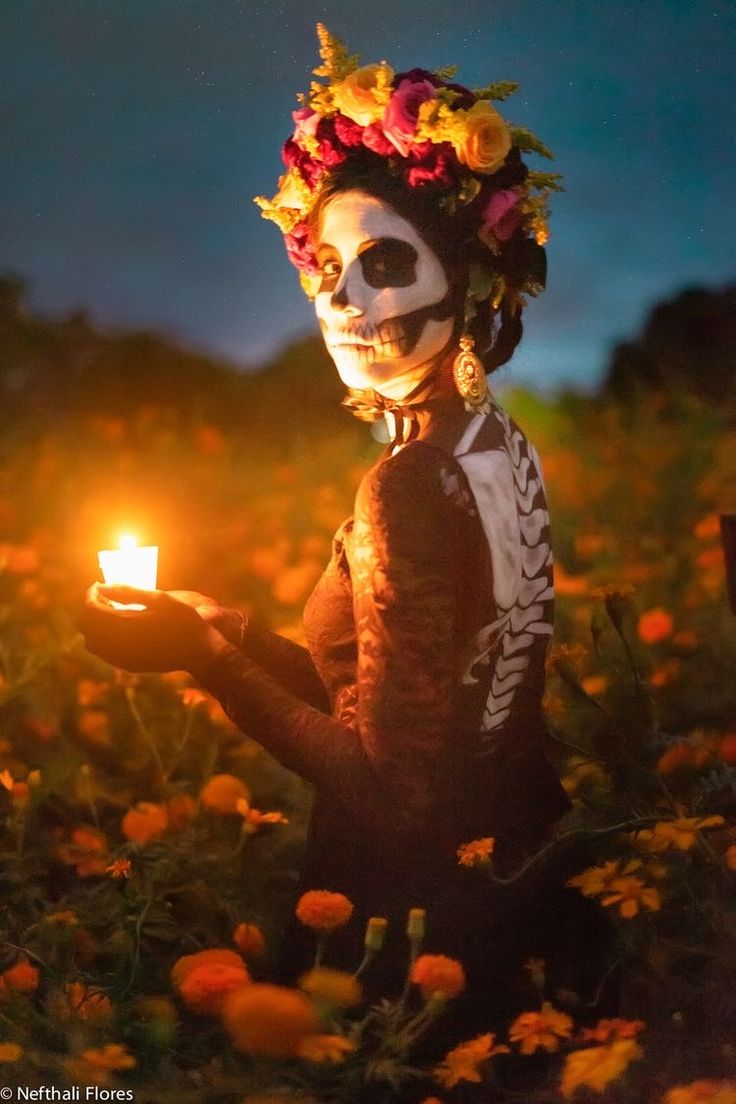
(436, 137)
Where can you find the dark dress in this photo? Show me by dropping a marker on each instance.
(416, 710)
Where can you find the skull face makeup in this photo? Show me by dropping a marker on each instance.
(384, 303)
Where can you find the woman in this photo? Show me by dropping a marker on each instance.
(415, 711)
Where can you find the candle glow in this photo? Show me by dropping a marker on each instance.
(130, 565)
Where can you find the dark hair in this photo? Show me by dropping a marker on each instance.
(453, 238)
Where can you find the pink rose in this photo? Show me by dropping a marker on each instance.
(306, 123)
(501, 214)
(402, 110)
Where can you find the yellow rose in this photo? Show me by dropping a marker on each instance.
(484, 141)
(363, 94)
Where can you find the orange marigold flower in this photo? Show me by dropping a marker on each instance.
(631, 894)
(730, 857)
(322, 910)
(269, 1019)
(10, 1052)
(181, 808)
(145, 822)
(325, 1048)
(682, 755)
(119, 868)
(606, 1030)
(223, 792)
(477, 852)
(596, 879)
(544, 1029)
(679, 833)
(654, 626)
(727, 748)
(461, 1063)
(21, 978)
(331, 987)
(248, 938)
(708, 528)
(109, 1058)
(206, 980)
(594, 685)
(86, 850)
(702, 1092)
(596, 1067)
(438, 974)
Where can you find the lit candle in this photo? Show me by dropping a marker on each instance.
(130, 565)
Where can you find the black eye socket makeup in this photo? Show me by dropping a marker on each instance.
(385, 262)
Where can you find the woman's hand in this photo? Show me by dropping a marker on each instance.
(167, 635)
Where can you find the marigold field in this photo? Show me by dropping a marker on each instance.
(148, 851)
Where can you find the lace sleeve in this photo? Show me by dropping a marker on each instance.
(384, 764)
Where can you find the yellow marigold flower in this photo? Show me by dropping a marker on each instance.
(223, 792)
(145, 822)
(10, 1052)
(654, 626)
(461, 1063)
(596, 1067)
(438, 974)
(331, 987)
(631, 894)
(119, 868)
(269, 1020)
(109, 1058)
(477, 852)
(364, 93)
(325, 1048)
(322, 910)
(248, 938)
(702, 1092)
(540, 1029)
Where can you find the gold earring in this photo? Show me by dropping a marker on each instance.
(470, 378)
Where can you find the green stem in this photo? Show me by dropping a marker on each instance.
(136, 714)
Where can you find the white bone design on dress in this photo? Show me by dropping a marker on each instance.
(505, 482)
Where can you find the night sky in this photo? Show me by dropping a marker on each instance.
(137, 131)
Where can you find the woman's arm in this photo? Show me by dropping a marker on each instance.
(386, 765)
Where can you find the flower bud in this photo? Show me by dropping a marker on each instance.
(375, 933)
(416, 925)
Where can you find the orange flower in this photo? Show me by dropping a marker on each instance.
(79, 1001)
(461, 1063)
(682, 755)
(631, 895)
(730, 857)
(594, 685)
(331, 987)
(325, 1048)
(596, 879)
(94, 727)
(10, 1052)
(438, 974)
(269, 1020)
(540, 1029)
(476, 853)
(109, 1058)
(727, 748)
(253, 819)
(702, 1092)
(119, 868)
(209, 978)
(679, 833)
(21, 978)
(181, 808)
(322, 910)
(223, 792)
(607, 1030)
(86, 850)
(596, 1067)
(248, 938)
(655, 626)
(145, 822)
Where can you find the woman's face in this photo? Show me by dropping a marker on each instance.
(384, 302)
